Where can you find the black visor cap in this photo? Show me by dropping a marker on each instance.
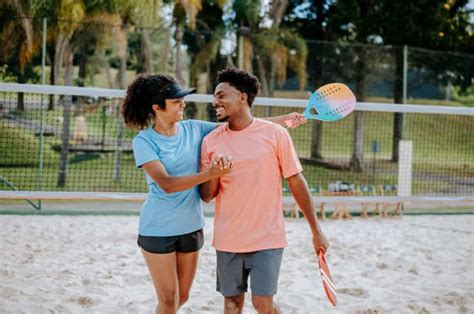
(176, 91)
(172, 91)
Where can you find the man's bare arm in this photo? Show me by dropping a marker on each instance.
(290, 120)
(299, 189)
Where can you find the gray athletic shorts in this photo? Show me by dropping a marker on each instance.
(234, 269)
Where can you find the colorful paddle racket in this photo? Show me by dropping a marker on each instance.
(327, 279)
(330, 102)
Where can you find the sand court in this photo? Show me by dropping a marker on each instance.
(73, 264)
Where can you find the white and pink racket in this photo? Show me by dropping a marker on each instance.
(327, 279)
(331, 102)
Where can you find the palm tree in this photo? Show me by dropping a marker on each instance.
(273, 49)
(75, 11)
(146, 17)
(18, 44)
(184, 14)
(203, 39)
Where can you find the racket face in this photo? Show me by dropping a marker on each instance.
(330, 102)
(327, 279)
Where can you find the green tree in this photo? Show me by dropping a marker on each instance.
(146, 17)
(184, 14)
(353, 22)
(19, 46)
(273, 48)
(204, 42)
(310, 17)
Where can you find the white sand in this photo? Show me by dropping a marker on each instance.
(72, 264)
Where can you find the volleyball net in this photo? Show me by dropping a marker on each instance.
(59, 142)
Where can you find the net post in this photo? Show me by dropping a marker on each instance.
(405, 168)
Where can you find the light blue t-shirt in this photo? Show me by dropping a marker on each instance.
(169, 214)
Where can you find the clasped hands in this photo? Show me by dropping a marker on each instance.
(221, 164)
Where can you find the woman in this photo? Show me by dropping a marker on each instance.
(171, 219)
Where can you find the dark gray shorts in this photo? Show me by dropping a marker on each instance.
(234, 269)
(185, 243)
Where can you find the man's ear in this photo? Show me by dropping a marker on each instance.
(244, 98)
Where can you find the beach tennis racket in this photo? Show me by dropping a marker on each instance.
(331, 102)
(327, 279)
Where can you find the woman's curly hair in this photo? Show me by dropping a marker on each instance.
(137, 106)
(241, 80)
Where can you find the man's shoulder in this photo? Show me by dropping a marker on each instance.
(221, 129)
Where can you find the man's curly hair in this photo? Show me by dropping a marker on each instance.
(241, 80)
(137, 106)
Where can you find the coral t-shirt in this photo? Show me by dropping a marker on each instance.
(248, 209)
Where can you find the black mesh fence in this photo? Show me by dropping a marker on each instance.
(85, 148)
(82, 150)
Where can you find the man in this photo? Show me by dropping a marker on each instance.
(249, 231)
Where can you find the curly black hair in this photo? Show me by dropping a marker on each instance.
(241, 80)
(140, 96)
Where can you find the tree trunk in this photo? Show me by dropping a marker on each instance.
(262, 75)
(27, 26)
(179, 41)
(122, 84)
(398, 99)
(247, 53)
(82, 70)
(316, 139)
(20, 105)
(110, 80)
(20, 102)
(264, 82)
(146, 53)
(317, 126)
(357, 159)
(271, 78)
(52, 81)
(277, 11)
(61, 43)
(67, 102)
(82, 74)
(26, 46)
(165, 55)
(271, 85)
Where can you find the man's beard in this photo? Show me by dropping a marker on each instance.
(224, 119)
